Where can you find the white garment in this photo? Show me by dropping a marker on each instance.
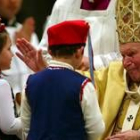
(18, 73)
(102, 26)
(8, 123)
(103, 60)
(93, 118)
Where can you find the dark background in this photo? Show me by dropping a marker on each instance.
(39, 9)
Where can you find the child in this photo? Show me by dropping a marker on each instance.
(18, 73)
(61, 104)
(10, 124)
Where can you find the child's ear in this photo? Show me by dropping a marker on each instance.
(82, 50)
(79, 52)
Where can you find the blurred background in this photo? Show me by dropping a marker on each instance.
(39, 9)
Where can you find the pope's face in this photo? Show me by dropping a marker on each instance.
(131, 60)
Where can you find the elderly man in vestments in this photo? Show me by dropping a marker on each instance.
(117, 85)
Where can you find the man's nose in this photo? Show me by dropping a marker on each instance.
(127, 61)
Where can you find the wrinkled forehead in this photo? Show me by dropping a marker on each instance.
(128, 47)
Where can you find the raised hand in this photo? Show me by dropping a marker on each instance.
(84, 66)
(30, 56)
(28, 27)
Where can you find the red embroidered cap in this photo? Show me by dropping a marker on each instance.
(70, 32)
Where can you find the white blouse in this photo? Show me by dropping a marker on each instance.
(9, 124)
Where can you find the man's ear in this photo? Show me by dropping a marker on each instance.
(79, 52)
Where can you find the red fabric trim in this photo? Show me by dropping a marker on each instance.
(82, 87)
